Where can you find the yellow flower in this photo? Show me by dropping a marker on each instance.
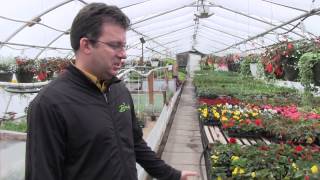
(241, 171)
(219, 178)
(314, 169)
(254, 114)
(223, 118)
(234, 158)
(236, 113)
(295, 167)
(217, 115)
(235, 171)
(205, 112)
(236, 117)
(214, 157)
(253, 174)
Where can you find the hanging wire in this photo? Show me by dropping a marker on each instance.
(32, 22)
(19, 49)
(295, 26)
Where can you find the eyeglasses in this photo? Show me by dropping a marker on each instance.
(113, 45)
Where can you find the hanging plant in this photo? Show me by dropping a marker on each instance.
(307, 64)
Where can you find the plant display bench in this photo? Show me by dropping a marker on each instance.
(213, 134)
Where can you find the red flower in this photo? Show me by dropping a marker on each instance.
(232, 141)
(290, 46)
(264, 148)
(269, 68)
(278, 71)
(231, 123)
(42, 76)
(306, 177)
(298, 148)
(258, 122)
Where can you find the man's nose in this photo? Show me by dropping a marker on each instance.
(122, 54)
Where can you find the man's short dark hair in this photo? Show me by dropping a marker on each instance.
(90, 19)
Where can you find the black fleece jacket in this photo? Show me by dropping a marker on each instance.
(75, 132)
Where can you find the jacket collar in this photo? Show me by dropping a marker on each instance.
(81, 77)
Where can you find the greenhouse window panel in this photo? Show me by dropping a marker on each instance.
(165, 29)
(165, 22)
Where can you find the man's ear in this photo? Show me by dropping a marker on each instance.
(85, 46)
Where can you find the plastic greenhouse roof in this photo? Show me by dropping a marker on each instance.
(39, 28)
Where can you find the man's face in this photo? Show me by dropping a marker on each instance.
(108, 51)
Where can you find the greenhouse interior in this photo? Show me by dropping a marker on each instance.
(226, 89)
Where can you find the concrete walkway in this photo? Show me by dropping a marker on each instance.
(184, 147)
(12, 160)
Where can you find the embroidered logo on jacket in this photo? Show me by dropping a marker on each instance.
(124, 107)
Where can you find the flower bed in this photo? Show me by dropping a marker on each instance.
(279, 123)
(276, 161)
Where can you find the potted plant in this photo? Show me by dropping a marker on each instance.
(6, 69)
(154, 62)
(291, 53)
(245, 66)
(309, 65)
(25, 69)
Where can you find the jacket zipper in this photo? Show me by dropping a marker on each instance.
(105, 95)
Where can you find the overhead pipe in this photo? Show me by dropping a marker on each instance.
(228, 33)
(290, 7)
(32, 46)
(254, 18)
(55, 39)
(36, 17)
(312, 12)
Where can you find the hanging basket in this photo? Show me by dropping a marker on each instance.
(24, 77)
(316, 74)
(290, 72)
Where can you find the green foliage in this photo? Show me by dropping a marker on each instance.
(245, 66)
(182, 75)
(306, 64)
(134, 75)
(14, 126)
(169, 61)
(7, 64)
(233, 161)
(213, 84)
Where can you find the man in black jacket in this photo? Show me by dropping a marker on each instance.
(82, 126)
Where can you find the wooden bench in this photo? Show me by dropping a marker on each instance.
(214, 134)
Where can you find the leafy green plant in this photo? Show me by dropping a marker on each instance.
(7, 64)
(14, 126)
(306, 63)
(245, 66)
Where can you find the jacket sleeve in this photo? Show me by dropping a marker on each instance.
(148, 158)
(45, 142)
